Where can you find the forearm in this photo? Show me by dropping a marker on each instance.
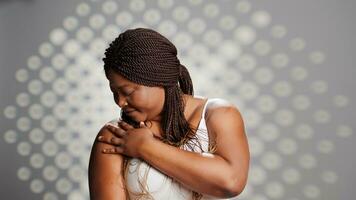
(206, 175)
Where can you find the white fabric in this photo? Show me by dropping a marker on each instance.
(159, 185)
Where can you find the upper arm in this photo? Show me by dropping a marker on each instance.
(226, 127)
(105, 172)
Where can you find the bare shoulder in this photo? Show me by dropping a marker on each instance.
(105, 171)
(219, 108)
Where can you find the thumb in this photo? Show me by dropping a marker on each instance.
(142, 124)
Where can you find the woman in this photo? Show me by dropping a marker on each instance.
(168, 144)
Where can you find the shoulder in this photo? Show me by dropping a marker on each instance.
(219, 107)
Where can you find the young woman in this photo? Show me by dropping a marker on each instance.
(168, 143)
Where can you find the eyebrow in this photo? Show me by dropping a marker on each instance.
(125, 85)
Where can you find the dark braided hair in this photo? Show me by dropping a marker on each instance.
(146, 57)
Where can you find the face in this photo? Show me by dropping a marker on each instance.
(143, 102)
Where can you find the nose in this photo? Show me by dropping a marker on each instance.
(122, 102)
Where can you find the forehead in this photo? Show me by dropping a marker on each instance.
(116, 79)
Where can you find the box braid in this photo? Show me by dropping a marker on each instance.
(146, 57)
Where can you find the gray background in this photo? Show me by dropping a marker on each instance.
(326, 26)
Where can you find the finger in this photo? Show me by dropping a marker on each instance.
(116, 130)
(116, 150)
(125, 126)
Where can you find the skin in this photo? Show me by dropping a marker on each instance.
(225, 172)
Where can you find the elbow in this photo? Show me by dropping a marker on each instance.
(234, 187)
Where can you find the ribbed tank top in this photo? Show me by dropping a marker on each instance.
(159, 185)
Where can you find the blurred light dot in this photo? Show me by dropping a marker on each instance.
(301, 102)
(180, 13)
(23, 99)
(50, 173)
(49, 123)
(274, 190)
(247, 62)
(307, 161)
(321, 116)
(23, 123)
(319, 86)
(137, 5)
(76, 173)
(152, 16)
(47, 74)
(266, 103)
(261, 19)
(124, 19)
(268, 132)
(21, 75)
(60, 61)
(37, 160)
(10, 112)
(58, 36)
(24, 173)
(196, 26)
(36, 136)
(243, 6)
(50, 196)
(253, 118)
(317, 57)
(183, 40)
(271, 160)
(244, 34)
(24, 148)
(36, 111)
(304, 131)
(48, 98)
(280, 60)
(287, 146)
(46, 49)
(84, 34)
(63, 186)
(71, 48)
(325, 146)
(10, 136)
(262, 47)
(50, 148)
(110, 32)
(60, 86)
(227, 22)
(109, 7)
(298, 73)
(284, 117)
(291, 176)
(282, 89)
(340, 100)
(167, 28)
(35, 87)
(278, 31)
(297, 44)
(329, 176)
(165, 4)
(248, 90)
(257, 175)
(211, 10)
(83, 9)
(97, 47)
(63, 160)
(97, 21)
(344, 131)
(311, 191)
(76, 195)
(34, 62)
(70, 23)
(37, 186)
(256, 146)
(213, 37)
(263, 75)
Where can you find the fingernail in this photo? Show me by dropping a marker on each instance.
(100, 137)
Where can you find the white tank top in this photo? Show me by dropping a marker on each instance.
(159, 185)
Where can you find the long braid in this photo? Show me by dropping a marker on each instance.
(146, 57)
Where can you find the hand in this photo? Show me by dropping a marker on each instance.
(126, 139)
